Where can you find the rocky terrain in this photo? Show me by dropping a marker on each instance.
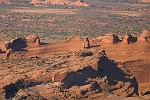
(111, 67)
(145, 0)
(69, 2)
(38, 62)
(59, 2)
(5, 1)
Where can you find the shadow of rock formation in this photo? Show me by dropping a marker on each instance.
(106, 68)
(13, 88)
(79, 77)
(109, 68)
(18, 44)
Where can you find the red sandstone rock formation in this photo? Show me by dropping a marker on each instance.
(4, 46)
(129, 39)
(82, 72)
(34, 1)
(145, 1)
(57, 1)
(74, 39)
(110, 39)
(77, 3)
(5, 1)
(33, 40)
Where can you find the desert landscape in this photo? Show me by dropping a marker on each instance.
(74, 50)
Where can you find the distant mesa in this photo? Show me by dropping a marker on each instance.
(56, 1)
(111, 39)
(145, 1)
(128, 1)
(69, 2)
(5, 1)
(79, 3)
(59, 2)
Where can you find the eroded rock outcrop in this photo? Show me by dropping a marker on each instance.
(18, 44)
(74, 39)
(32, 40)
(5, 1)
(128, 39)
(79, 3)
(81, 73)
(145, 36)
(91, 71)
(59, 2)
(110, 39)
(86, 43)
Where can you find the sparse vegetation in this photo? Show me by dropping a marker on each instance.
(110, 66)
(59, 23)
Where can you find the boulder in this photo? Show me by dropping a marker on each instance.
(4, 46)
(18, 44)
(32, 40)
